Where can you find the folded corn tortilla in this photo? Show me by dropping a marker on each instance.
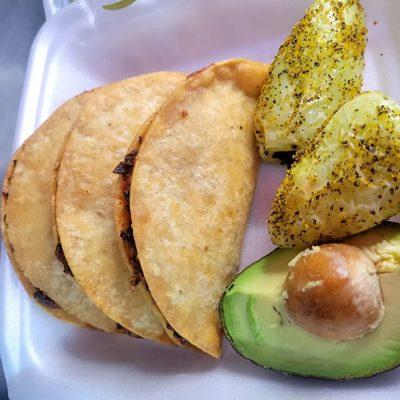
(27, 225)
(86, 194)
(191, 188)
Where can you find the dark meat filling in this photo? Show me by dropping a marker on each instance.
(136, 263)
(137, 277)
(127, 193)
(182, 340)
(61, 257)
(126, 332)
(127, 235)
(125, 167)
(135, 280)
(44, 300)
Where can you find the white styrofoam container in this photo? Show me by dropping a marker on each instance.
(83, 46)
(52, 6)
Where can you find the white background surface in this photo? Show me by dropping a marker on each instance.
(83, 46)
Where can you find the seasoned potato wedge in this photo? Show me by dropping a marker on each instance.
(347, 180)
(318, 68)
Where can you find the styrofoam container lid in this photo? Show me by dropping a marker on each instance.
(83, 46)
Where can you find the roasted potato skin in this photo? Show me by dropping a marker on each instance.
(318, 68)
(344, 182)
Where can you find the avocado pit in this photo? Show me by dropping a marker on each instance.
(333, 291)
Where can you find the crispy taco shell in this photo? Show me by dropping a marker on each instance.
(27, 225)
(191, 188)
(86, 194)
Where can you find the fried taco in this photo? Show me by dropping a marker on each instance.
(184, 194)
(86, 194)
(124, 229)
(27, 226)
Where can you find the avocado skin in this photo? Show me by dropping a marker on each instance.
(385, 224)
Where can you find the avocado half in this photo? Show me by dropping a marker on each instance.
(253, 317)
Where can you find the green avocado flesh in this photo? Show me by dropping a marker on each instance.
(254, 321)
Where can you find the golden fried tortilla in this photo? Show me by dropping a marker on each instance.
(86, 194)
(123, 227)
(27, 225)
(191, 190)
